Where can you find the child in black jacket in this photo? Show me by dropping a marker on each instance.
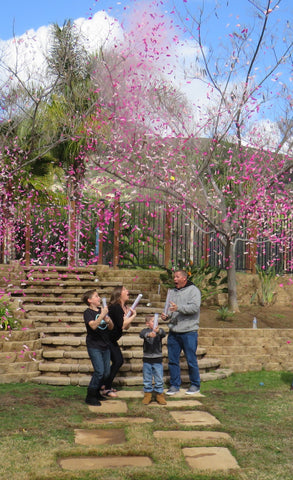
(152, 361)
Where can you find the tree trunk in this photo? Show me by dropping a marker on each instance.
(28, 232)
(116, 230)
(7, 228)
(71, 233)
(231, 276)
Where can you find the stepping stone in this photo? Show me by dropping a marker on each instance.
(95, 463)
(182, 394)
(130, 394)
(127, 420)
(194, 418)
(209, 458)
(110, 406)
(99, 437)
(139, 394)
(177, 403)
(192, 435)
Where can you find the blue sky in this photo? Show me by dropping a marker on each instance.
(19, 16)
(22, 15)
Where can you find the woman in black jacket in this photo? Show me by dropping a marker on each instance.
(118, 311)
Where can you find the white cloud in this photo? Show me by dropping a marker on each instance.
(26, 54)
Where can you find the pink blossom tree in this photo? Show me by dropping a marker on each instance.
(208, 156)
(145, 139)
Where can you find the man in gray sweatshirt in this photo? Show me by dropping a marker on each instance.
(183, 317)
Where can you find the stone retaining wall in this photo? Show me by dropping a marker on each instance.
(247, 349)
(241, 350)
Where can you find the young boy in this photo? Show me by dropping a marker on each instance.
(98, 324)
(152, 361)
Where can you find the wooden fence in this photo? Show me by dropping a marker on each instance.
(127, 234)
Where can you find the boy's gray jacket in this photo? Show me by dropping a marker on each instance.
(186, 318)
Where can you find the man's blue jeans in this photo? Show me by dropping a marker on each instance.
(188, 343)
(153, 371)
(101, 362)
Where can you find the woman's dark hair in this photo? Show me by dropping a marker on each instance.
(116, 296)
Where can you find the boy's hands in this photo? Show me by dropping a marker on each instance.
(152, 334)
(104, 312)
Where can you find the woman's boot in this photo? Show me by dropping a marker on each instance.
(91, 398)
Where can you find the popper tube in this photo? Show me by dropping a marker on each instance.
(135, 303)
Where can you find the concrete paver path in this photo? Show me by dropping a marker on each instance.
(192, 435)
(198, 458)
(194, 418)
(111, 461)
(210, 458)
(99, 437)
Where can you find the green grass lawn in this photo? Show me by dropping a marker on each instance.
(37, 428)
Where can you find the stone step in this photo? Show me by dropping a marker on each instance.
(133, 365)
(51, 300)
(44, 276)
(54, 268)
(88, 281)
(23, 335)
(82, 354)
(129, 344)
(129, 381)
(74, 293)
(89, 284)
(67, 340)
(42, 322)
(126, 341)
(34, 309)
(28, 366)
(54, 321)
(132, 280)
(20, 377)
(23, 354)
(70, 300)
(80, 329)
(68, 330)
(17, 346)
(93, 269)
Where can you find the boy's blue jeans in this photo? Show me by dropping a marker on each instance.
(101, 362)
(153, 371)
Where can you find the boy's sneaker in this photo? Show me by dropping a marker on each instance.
(172, 391)
(192, 390)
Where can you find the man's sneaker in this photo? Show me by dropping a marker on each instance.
(192, 390)
(172, 391)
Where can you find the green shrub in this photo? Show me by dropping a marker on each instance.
(8, 321)
(268, 282)
(208, 279)
(224, 312)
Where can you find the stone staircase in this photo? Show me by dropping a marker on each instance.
(51, 301)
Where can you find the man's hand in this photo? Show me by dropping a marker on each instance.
(173, 307)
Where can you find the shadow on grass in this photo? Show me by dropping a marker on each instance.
(287, 377)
